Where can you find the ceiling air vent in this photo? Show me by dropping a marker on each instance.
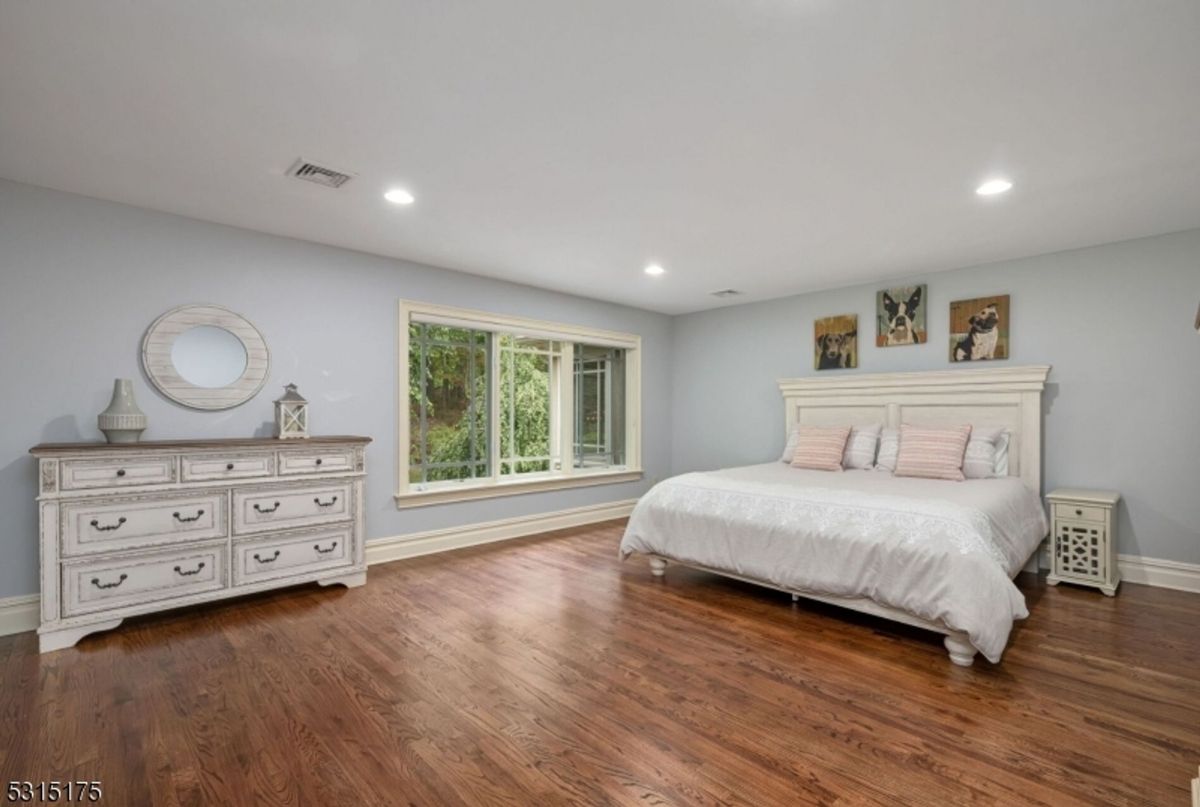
(311, 172)
(725, 293)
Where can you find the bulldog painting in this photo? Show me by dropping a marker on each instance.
(979, 329)
(901, 316)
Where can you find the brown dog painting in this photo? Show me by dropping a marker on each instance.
(836, 342)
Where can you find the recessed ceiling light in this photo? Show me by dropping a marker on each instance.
(993, 186)
(399, 196)
(654, 269)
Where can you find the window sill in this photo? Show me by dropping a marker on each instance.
(467, 493)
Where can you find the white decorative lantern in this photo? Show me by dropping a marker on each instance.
(291, 414)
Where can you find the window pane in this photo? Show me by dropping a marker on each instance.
(599, 407)
(447, 403)
(525, 405)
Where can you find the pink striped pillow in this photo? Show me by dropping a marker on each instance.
(932, 453)
(820, 448)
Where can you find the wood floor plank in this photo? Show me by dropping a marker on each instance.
(545, 671)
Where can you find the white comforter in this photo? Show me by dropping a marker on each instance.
(942, 551)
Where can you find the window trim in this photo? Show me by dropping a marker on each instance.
(568, 476)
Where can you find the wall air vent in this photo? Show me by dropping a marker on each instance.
(725, 293)
(311, 172)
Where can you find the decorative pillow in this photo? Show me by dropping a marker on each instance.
(932, 453)
(820, 448)
(861, 447)
(983, 452)
(889, 448)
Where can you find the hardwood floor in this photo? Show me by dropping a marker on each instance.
(543, 671)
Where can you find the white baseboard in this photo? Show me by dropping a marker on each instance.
(19, 614)
(385, 550)
(1160, 573)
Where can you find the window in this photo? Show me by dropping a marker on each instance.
(496, 405)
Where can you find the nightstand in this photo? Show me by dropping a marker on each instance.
(1084, 539)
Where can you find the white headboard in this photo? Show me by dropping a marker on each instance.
(1003, 396)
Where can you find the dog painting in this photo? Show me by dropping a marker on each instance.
(836, 342)
(901, 315)
(979, 329)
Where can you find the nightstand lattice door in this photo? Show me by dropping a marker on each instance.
(1080, 551)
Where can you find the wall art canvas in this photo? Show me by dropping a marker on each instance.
(836, 342)
(901, 315)
(979, 329)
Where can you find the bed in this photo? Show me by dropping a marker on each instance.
(935, 554)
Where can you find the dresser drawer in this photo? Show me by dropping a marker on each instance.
(134, 522)
(263, 509)
(1077, 512)
(117, 473)
(146, 577)
(206, 467)
(275, 556)
(315, 461)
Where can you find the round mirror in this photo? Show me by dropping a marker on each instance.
(205, 357)
(208, 356)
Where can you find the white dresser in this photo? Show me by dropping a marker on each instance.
(135, 528)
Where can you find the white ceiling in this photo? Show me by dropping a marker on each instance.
(775, 146)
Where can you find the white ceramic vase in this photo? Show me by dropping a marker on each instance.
(122, 422)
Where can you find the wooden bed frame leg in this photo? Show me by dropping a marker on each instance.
(658, 567)
(795, 598)
(961, 651)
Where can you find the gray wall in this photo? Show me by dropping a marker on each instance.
(1115, 322)
(81, 279)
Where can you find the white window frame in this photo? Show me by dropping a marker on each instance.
(568, 476)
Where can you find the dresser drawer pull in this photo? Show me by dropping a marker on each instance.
(319, 460)
(182, 573)
(108, 527)
(271, 559)
(258, 508)
(329, 503)
(229, 466)
(1078, 512)
(183, 520)
(120, 472)
(96, 582)
(325, 551)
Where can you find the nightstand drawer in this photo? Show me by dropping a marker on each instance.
(1080, 512)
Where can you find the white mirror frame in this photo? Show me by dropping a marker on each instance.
(160, 339)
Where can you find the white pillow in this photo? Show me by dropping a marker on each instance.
(987, 453)
(789, 448)
(889, 449)
(861, 447)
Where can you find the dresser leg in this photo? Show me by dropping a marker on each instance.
(51, 640)
(348, 580)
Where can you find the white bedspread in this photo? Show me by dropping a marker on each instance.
(942, 551)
